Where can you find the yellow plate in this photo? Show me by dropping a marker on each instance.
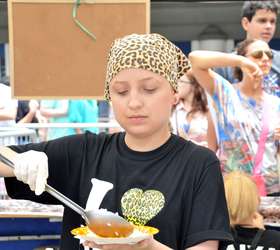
(84, 230)
(140, 233)
(147, 229)
(80, 231)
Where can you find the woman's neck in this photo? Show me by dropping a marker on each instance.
(144, 143)
(252, 89)
(188, 99)
(247, 223)
(187, 105)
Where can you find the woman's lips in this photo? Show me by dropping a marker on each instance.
(266, 35)
(264, 66)
(137, 118)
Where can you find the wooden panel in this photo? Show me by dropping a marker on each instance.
(52, 58)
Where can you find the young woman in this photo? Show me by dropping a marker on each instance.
(247, 120)
(247, 223)
(189, 118)
(141, 81)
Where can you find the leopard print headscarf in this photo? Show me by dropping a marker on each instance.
(150, 52)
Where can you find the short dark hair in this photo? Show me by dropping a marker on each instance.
(241, 49)
(250, 8)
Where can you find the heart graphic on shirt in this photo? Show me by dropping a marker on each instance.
(140, 207)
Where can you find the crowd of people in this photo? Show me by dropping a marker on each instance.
(197, 127)
(48, 111)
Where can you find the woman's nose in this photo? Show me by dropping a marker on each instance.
(265, 57)
(135, 101)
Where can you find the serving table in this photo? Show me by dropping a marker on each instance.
(26, 225)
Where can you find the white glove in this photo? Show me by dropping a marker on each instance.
(31, 168)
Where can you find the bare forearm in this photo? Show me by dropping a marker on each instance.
(6, 171)
(156, 245)
(28, 117)
(59, 111)
(204, 59)
(48, 113)
(147, 244)
(8, 114)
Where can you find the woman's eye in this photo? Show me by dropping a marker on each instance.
(123, 92)
(152, 90)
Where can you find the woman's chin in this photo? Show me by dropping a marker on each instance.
(265, 71)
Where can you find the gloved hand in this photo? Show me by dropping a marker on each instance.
(31, 168)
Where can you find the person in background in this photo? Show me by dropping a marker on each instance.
(189, 118)
(84, 111)
(173, 177)
(8, 106)
(259, 19)
(246, 222)
(56, 111)
(244, 112)
(26, 111)
(104, 109)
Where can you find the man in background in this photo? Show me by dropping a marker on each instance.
(259, 22)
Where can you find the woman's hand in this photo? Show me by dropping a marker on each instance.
(31, 168)
(251, 69)
(33, 106)
(146, 244)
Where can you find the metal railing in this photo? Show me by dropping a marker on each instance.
(17, 136)
(23, 133)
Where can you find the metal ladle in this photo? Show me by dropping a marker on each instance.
(103, 224)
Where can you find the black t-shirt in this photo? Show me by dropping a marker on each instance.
(270, 239)
(187, 175)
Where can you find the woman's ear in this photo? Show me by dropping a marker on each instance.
(244, 23)
(189, 73)
(176, 99)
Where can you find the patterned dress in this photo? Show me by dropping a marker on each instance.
(194, 130)
(238, 123)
